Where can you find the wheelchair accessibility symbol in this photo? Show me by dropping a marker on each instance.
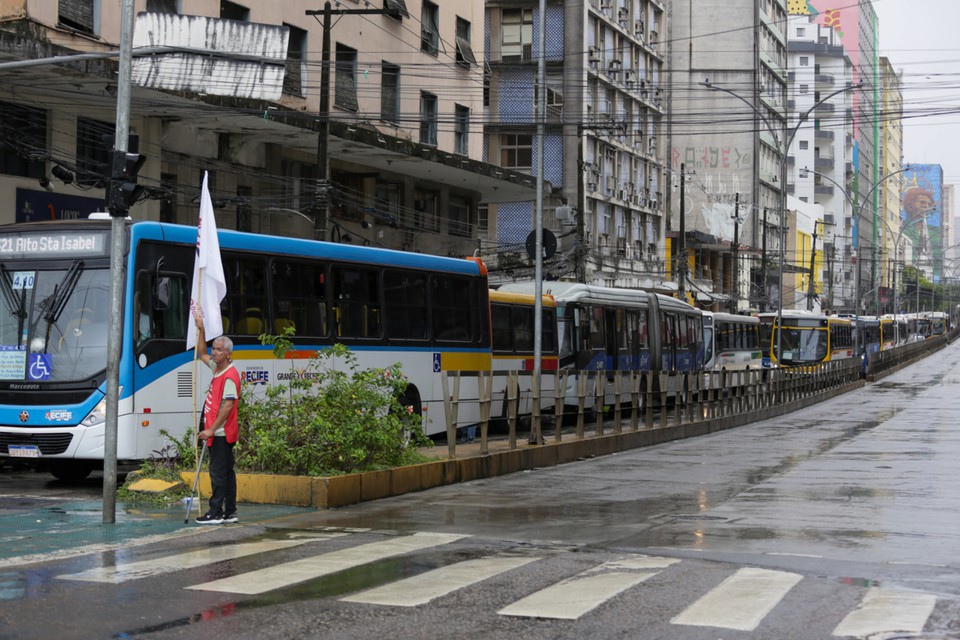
(436, 363)
(39, 368)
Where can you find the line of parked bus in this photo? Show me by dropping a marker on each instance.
(434, 315)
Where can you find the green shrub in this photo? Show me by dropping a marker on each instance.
(328, 418)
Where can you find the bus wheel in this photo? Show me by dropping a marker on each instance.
(411, 398)
(71, 470)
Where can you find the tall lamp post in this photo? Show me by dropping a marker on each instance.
(783, 145)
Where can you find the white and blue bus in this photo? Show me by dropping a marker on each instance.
(731, 342)
(429, 313)
(627, 330)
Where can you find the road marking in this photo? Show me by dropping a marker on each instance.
(290, 573)
(573, 597)
(885, 610)
(423, 588)
(75, 552)
(741, 601)
(190, 560)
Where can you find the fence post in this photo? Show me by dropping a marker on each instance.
(536, 433)
(513, 393)
(581, 400)
(599, 394)
(664, 413)
(617, 416)
(451, 410)
(485, 387)
(559, 395)
(635, 404)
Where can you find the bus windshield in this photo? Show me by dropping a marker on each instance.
(803, 345)
(53, 322)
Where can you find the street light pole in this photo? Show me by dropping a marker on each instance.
(783, 143)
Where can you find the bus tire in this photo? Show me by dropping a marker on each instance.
(70, 470)
(411, 398)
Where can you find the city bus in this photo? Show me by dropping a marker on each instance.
(628, 330)
(731, 341)
(429, 313)
(807, 338)
(512, 318)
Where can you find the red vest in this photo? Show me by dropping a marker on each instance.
(212, 405)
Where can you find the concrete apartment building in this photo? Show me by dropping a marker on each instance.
(404, 166)
(604, 148)
(729, 146)
(890, 227)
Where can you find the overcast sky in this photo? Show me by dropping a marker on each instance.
(920, 39)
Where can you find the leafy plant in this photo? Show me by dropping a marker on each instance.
(329, 418)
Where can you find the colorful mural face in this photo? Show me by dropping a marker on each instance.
(921, 215)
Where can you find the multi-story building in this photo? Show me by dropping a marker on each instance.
(891, 191)
(727, 139)
(820, 169)
(388, 152)
(603, 151)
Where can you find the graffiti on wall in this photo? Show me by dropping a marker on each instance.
(711, 158)
(715, 176)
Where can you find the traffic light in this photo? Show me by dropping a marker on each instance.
(124, 190)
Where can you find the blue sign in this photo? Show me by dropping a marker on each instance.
(436, 363)
(36, 206)
(39, 368)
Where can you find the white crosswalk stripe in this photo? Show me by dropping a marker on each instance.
(571, 598)
(741, 601)
(421, 589)
(290, 573)
(884, 610)
(158, 566)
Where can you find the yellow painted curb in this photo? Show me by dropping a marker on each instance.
(153, 485)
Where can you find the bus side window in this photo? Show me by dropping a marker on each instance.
(356, 295)
(405, 305)
(500, 316)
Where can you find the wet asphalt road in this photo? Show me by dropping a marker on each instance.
(855, 494)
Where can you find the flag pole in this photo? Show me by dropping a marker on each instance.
(196, 353)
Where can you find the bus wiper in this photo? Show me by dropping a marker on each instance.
(17, 307)
(54, 304)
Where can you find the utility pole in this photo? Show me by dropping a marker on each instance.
(813, 255)
(681, 241)
(392, 9)
(736, 257)
(763, 263)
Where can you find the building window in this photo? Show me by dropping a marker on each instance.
(296, 49)
(428, 118)
(804, 88)
(459, 223)
(516, 35)
(804, 61)
(77, 15)
(244, 208)
(346, 78)
(801, 32)
(461, 129)
(516, 151)
(163, 6)
(465, 57)
(23, 141)
(390, 93)
(233, 11)
(425, 206)
(430, 28)
(93, 153)
(483, 218)
(804, 144)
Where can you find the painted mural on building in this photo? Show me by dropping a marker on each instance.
(921, 216)
(715, 176)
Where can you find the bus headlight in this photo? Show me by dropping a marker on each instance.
(97, 416)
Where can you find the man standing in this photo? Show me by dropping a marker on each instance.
(220, 428)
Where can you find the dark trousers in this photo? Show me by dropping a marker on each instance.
(222, 477)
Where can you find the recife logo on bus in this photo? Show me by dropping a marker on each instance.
(59, 415)
(256, 376)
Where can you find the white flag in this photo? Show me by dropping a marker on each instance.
(209, 284)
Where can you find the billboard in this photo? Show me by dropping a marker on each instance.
(922, 216)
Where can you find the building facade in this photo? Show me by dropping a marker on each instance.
(388, 152)
(728, 148)
(603, 144)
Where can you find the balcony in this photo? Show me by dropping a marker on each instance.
(826, 107)
(823, 163)
(824, 80)
(824, 134)
(823, 189)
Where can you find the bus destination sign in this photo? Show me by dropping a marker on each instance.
(53, 244)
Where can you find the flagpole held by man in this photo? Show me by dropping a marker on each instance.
(208, 289)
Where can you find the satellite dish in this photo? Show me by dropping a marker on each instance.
(549, 244)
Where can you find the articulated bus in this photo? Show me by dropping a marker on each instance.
(807, 338)
(609, 329)
(429, 313)
(731, 341)
(512, 318)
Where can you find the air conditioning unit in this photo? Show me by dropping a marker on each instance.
(639, 29)
(565, 215)
(621, 246)
(630, 76)
(594, 55)
(622, 194)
